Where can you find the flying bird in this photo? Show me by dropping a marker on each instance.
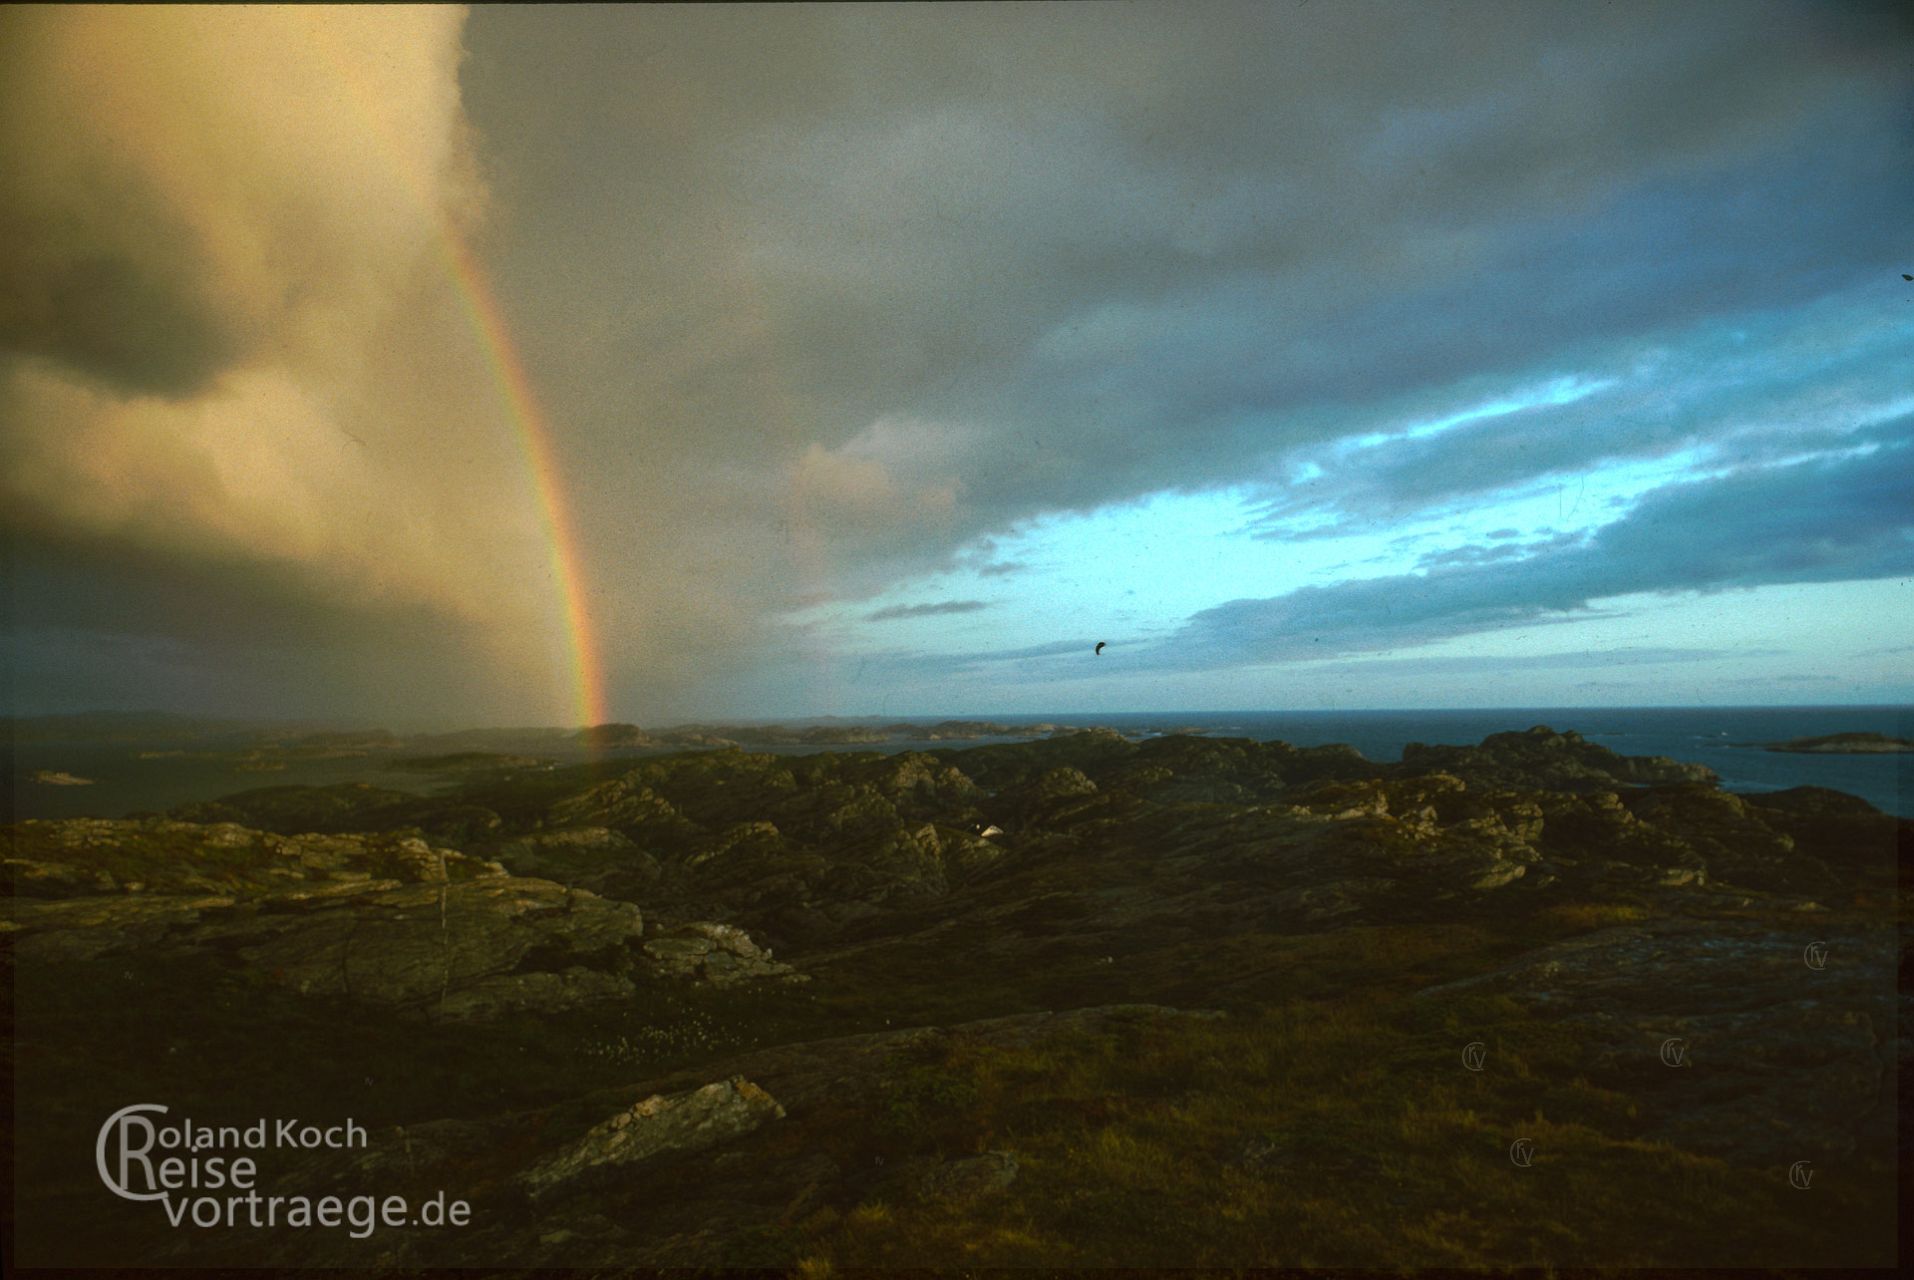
(1100, 645)
(1906, 276)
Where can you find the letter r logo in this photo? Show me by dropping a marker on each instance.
(121, 1123)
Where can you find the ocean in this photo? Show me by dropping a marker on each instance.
(1723, 738)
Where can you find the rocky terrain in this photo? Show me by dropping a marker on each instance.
(1078, 1001)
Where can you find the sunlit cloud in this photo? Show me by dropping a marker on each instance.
(232, 343)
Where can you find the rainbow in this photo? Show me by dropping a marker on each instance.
(534, 435)
(528, 421)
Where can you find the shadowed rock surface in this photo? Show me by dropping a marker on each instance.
(735, 1009)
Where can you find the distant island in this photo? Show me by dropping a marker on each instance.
(630, 736)
(60, 778)
(1843, 744)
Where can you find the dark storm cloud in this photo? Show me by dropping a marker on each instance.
(820, 298)
(1824, 521)
(926, 610)
(108, 284)
(930, 272)
(135, 326)
(98, 624)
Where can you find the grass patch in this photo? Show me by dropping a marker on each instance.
(1319, 1134)
(1581, 917)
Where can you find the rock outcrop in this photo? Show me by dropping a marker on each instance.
(660, 1124)
(1541, 758)
(720, 954)
(390, 921)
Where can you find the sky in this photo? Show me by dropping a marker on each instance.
(542, 365)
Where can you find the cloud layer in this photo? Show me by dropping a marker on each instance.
(886, 283)
(232, 358)
(825, 300)
(1821, 521)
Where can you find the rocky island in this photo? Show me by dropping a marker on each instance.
(1195, 1002)
(1845, 743)
(59, 778)
(631, 737)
